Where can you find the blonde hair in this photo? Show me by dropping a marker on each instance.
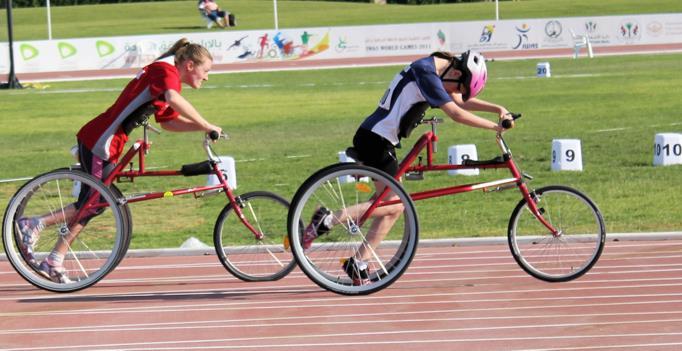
(183, 50)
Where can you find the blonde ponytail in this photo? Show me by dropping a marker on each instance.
(183, 50)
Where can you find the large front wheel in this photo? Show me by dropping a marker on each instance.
(572, 251)
(353, 229)
(249, 256)
(42, 218)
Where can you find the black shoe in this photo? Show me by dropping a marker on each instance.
(316, 227)
(357, 271)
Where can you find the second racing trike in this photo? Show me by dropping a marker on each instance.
(555, 233)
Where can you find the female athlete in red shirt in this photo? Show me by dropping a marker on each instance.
(155, 90)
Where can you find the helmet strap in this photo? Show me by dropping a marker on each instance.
(454, 64)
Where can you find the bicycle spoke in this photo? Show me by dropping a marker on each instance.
(274, 257)
(75, 258)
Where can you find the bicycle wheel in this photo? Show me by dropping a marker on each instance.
(243, 254)
(562, 257)
(49, 199)
(384, 244)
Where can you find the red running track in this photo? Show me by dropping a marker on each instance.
(451, 298)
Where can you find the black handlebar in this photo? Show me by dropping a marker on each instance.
(506, 124)
(214, 135)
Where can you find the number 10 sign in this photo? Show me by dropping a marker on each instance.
(667, 149)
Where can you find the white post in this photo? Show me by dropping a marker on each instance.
(497, 10)
(276, 22)
(49, 22)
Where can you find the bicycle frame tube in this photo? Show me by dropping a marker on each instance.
(139, 149)
(427, 141)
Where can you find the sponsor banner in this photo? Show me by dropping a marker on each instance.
(346, 42)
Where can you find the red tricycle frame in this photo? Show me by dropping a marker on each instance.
(429, 141)
(140, 148)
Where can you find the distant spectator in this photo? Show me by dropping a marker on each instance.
(212, 11)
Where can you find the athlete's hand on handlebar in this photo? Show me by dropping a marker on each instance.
(214, 133)
(507, 122)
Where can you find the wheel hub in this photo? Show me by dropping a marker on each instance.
(63, 230)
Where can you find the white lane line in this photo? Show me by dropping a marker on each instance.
(302, 85)
(412, 277)
(226, 86)
(14, 179)
(603, 266)
(354, 319)
(458, 256)
(611, 130)
(608, 347)
(559, 76)
(367, 336)
(401, 342)
(327, 302)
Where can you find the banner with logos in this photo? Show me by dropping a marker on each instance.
(346, 42)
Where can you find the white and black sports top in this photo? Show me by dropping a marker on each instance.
(410, 94)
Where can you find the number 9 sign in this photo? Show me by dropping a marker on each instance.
(566, 155)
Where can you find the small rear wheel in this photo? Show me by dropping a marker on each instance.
(570, 253)
(245, 255)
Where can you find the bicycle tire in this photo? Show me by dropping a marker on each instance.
(325, 261)
(240, 252)
(91, 255)
(566, 256)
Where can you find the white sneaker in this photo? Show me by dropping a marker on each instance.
(30, 229)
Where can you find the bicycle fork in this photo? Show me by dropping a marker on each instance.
(532, 200)
(239, 205)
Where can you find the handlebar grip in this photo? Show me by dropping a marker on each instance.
(506, 124)
(214, 135)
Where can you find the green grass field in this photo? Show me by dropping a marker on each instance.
(286, 125)
(182, 16)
